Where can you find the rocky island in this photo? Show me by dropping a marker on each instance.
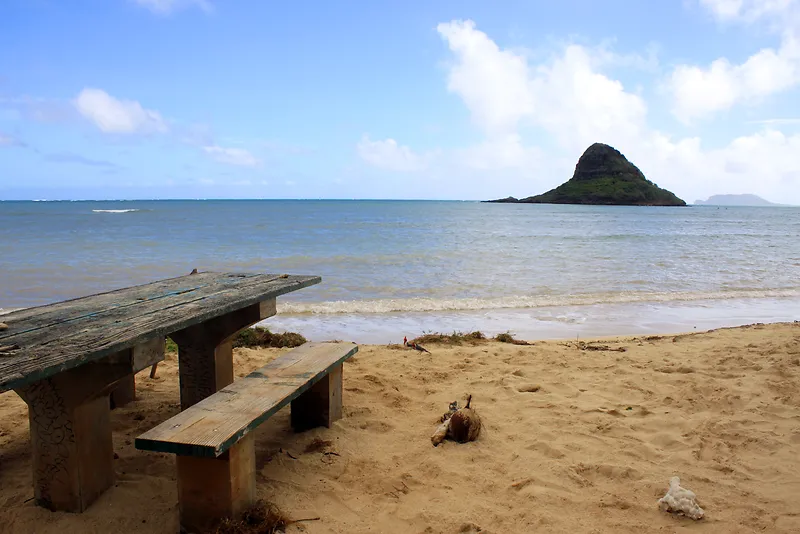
(604, 176)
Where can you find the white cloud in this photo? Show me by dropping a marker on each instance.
(7, 140)
(565, 95)
(498, 153)
(777, 121)
(750, 10)
(111, 115)
(574, 104)
(494, 83)
(232, 156)
(724, 9)
(388, 155)
(165, 7)
(701, 91)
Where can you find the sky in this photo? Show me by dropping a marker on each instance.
(411, 99)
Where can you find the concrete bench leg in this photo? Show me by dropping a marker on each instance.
(205, 354)
(211, 489)
(73, 456)
(125, 392)
(321, 405)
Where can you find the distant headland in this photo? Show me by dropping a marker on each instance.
(735, 200)
(603, 176)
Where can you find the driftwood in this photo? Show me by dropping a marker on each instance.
(459, 424)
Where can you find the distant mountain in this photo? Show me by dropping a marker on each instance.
(604, 176)
(735, 200)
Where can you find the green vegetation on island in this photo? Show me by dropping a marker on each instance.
(604, 176)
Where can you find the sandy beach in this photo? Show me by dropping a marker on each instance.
(578, 437)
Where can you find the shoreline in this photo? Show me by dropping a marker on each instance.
(578, 437)
(532, 323)
(547, 322)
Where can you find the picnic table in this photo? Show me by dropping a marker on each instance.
(65, 359)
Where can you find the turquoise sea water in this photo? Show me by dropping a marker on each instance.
(394, 268)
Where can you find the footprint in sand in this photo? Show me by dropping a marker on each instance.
(613, 472)
(530, 388)
(545, 449)
(381, 427)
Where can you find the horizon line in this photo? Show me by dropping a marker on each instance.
(240, 199)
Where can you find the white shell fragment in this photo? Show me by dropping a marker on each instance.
(679, 500)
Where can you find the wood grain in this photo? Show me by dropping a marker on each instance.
(57, 337)
(213, 425)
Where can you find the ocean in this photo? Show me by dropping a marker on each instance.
(400, 268)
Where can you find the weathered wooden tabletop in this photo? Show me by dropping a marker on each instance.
(46, 340)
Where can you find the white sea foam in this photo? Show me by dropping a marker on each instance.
(115, 211)
(519, 302)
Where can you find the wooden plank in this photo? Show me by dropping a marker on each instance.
(71, 309)
(86, 336)
(134, 304)
(213, 425)
(148, 354)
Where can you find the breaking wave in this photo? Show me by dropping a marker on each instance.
(521, 301)
(116, 211)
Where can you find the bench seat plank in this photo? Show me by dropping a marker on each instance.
(213, 425)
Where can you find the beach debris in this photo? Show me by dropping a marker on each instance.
(8, 348)
(679, 500)
(506, 337)
(263, 517)
(459, 424)
(587, 346)
(318, 445)
(3, 326)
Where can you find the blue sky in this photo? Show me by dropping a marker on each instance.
(364, 99)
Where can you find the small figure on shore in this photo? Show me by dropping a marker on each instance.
(415, 346)
(194, 271)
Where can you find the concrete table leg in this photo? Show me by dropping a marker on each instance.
(205, 354)
(73, 456)
(125, 392)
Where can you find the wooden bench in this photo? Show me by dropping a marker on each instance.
(213, 440)
(64, 360)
